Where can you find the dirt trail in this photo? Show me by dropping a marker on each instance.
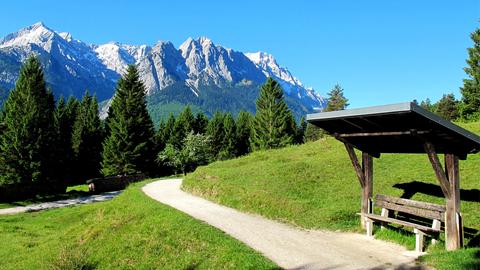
(289, 247)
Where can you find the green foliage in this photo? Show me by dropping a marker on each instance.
(184, 123)
(230, 143)
(244, 132)
(201, 123)
(167, 131)
(65, 115)
(216, 133)
(300, 133)
(427, 105)
(131, 231)
(87, 139)
(336, 99)
(27, 139)
(447, 107)
(3, 97)
(272, 122)
(313, 133)
(471, 86)
(129, 148)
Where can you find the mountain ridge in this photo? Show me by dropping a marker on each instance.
(194, 72)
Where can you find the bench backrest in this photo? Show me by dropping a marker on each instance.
(421, 209)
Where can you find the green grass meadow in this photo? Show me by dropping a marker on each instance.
(314, 186)
(131, 231)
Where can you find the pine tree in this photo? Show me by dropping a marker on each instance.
(129, 147)
(27, 139)
(336, 99)
(271, 123)
(427, 105)
(87, 136)
(229, 149)
(167, 133)
(216, 133)
(300, 134)
(471, 86)
(201, 123)
(184, 123)
(65, 115)
(447, 107)
(244, 131)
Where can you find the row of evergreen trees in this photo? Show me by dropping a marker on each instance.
(48, 144)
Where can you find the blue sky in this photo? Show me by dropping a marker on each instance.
(378, 51)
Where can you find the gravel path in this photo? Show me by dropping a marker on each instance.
(289, 247)
(63, 203)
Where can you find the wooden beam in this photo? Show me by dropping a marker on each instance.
(437, 168)
(367, 189)
(377, 134)
(356, 164)
(453, 221)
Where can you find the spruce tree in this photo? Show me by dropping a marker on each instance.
(244, 131)
(300, 134)
(313, 133)
(184, 123)
(129, 147)
(87, 136)
(336, 99)
(27, 137)
(167, 133)
(230, 140)
(201, 123)
(471, 86)
(447, 107)
(65, 115)
(272, 120)
(216, 133)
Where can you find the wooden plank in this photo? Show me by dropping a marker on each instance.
(367, 169)
(453, 224)
(437, 168)
(377, 134)
(413, 203)
(411, 210)
(355, 163)
(422, 228)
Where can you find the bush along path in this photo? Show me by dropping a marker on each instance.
(62, 203)
(289, 247)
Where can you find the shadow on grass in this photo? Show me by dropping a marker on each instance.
(49, 198)
(411, 188)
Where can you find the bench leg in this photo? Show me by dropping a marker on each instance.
(369, 226)
(385, 213)
(419, 237)
(436, 225)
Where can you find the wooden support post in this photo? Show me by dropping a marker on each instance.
(419, 238)
(356, 164)
(367, 190)
(436, 224)
(453, 221)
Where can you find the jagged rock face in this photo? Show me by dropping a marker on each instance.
(196, 69)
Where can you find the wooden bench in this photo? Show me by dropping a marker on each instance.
(392, 210)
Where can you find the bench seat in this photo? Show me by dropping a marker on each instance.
(424, 229)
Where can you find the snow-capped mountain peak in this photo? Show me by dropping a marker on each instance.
(34, 34)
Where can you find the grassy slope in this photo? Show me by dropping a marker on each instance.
(314, 185)
(130, 232)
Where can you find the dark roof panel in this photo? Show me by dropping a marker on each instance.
(396, 128)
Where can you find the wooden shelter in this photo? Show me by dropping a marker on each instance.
(404, 128)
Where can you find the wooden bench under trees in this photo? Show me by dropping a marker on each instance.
(424, 218)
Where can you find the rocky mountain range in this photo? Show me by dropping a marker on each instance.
(207, 76)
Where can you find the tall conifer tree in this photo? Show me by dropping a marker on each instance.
(244, 131)
(336, 99)
(129, 147)
(65, 115)
(216, 133)
(87, 139)
(230, 142)
(271, 125)
(471, 86)
(27, 137)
